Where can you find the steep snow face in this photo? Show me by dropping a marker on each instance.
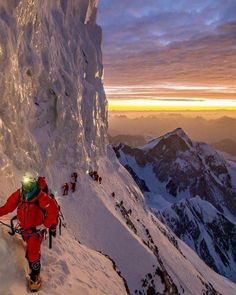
(51, 83)
(69, 268)
(150, 257)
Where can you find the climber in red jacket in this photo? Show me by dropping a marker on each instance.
(35, 209)
(65, 188)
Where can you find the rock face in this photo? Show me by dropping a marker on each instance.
(207, 231)
(183, 167)
(51, 80)
(190, 187)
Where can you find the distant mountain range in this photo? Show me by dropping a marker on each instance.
(131, 140)
(190, 187)
(199, 128)
(226, 145)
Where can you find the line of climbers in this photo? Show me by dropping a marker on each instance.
(94, 175)
(72, 185)
(37, 214)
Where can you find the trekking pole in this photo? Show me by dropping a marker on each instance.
(62, 219)
(50, 239)
(60, 223)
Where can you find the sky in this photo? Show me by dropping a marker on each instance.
(168, 54)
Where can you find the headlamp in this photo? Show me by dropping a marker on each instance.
(26, 180)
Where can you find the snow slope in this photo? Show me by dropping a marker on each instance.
(68, 268)
(94, 220)
(103, 228)
(54, 121)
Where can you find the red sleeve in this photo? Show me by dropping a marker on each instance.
(11, 203)
(51, 208)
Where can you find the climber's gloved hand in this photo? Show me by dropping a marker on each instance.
(41, 228)
(53, 230)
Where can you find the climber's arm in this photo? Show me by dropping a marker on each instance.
(11, 203)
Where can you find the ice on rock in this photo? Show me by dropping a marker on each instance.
(46, 47)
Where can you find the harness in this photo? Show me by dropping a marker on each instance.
(16, 229)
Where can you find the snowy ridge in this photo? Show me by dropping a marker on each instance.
(94, 220)
(130, 250)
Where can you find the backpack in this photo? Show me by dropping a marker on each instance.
(36, 202)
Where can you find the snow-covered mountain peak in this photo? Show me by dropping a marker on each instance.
(176, 139)
(183, 166)
(190, 187)
(179, 132)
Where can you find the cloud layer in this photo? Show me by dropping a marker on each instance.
(185, 42)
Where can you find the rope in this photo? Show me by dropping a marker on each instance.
(20, 231)
(7, 225)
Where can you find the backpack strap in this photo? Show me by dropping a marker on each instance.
(34, 201)
(21, 201)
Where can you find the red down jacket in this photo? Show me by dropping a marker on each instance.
(42, 182)
(40, 210)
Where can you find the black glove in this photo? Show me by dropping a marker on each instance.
(53, 230)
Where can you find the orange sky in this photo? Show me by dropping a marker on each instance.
(171, 97)
(162, 55)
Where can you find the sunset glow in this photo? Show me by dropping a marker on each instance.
(194, 104)
(171, 97)
(169, 56)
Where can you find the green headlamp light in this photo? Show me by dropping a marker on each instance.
(28, 183)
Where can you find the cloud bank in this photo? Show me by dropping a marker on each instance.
(190, 43)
